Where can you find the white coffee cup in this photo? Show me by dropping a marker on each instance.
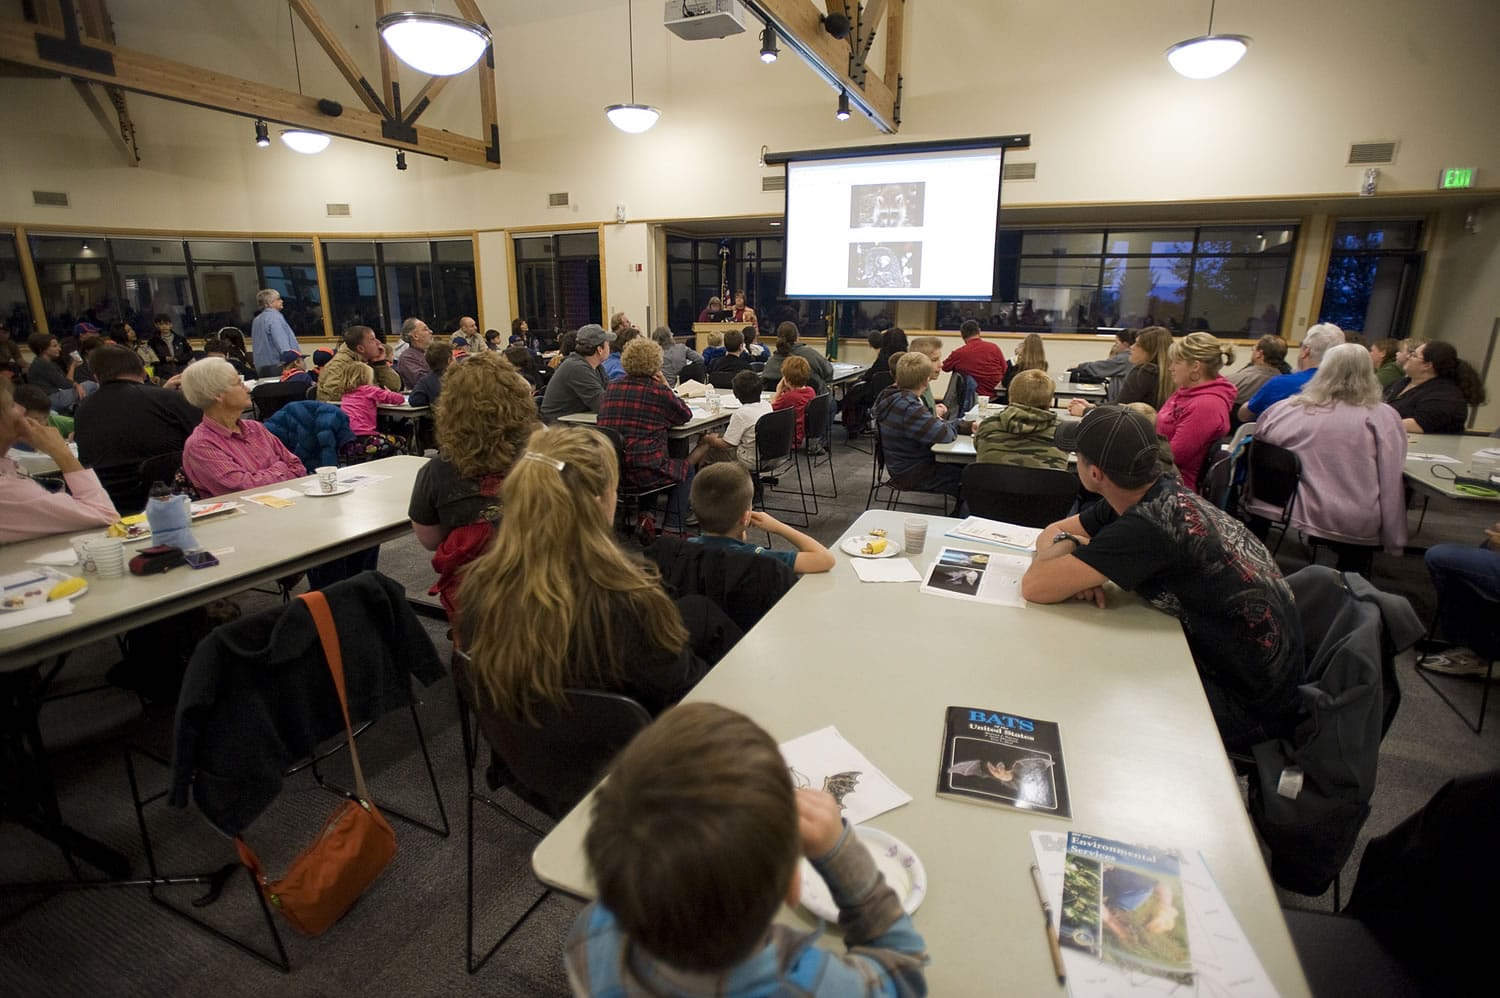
(107, 555)
(981, 401)
(328, 478)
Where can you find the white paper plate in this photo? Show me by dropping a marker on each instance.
(36, 593)
(315, 492)
(902, 869)
(853, 545)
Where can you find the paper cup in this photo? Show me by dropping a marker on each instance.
(107, 555)
(80, 549)
(328, 478)
(915, 530)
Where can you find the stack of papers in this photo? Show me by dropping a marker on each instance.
(1009, 535)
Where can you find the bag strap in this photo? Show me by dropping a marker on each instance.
(317, 605)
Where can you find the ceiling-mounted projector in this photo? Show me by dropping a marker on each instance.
(695, 20)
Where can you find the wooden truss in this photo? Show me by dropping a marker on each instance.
(844, 62)
(53, 40)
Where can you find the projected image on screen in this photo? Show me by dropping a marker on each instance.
(886, 206)
(885, 265)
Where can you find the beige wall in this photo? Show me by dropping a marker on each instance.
(1464, 297)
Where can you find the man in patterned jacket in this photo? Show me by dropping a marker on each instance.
(1155, 537)
(1021, 434)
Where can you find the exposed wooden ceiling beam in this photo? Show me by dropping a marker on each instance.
(800, 23)
(99, 25)
(157, 77)
(342, 60)
(387, 59)
(895, 31)
(487, 109)
(114, 130)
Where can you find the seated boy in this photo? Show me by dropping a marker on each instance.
(740, 433)
(705, 794)
(722, 495)
(714, 350)
(932, 346)
(734, 359)
(794, 393)
(1021, 434)
(908, 430)
(292, 370)
(38, 406)
(438, 356)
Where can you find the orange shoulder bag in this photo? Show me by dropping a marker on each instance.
(356, 842)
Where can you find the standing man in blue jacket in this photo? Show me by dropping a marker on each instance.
(270, 334)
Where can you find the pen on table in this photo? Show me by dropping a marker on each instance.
(1041, 895)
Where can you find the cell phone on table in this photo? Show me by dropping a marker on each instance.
(200, 559)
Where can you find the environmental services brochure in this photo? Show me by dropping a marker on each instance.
(1124, 905)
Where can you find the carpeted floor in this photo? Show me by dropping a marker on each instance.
(407, 935)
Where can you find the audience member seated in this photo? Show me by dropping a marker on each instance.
(1197, 413)
(1150, 378)
(172, 348)
(234, 351)
(412, 364)
(1021, 434)
(908, 431)
(1152, 535)
(708, 927)
(1030, 356)
(1353, 455)
(438, 358)
(740, 433)
(787, 346)
(38, 407)
(1437, 391)
(361, 403)
(641, 408)
(1113, 369)
(361, 348)
(1383, 354)
(1457, 571)
(226, 453)
(793, 392)
(758, 353)
(1266, 360)
(602, 619)
(978, 358)
(26, 508)
(722, 496)
(10, 350)
(127, 421)
(675, 356)
(578, 383)
(124, 334)
(1317, 341)
(614, 368)
(932, 348)
(483, 419)
(734, 359)
(215, 346)
(293, 372)
(47, 372)
(87, 344)
(524, 364)
(714, 350)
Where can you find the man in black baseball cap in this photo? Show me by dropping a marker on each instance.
(1152, 535)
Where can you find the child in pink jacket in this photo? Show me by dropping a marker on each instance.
(359, 405)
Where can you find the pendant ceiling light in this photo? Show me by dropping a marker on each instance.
(433, 43)
(632, 117)
(305, 140)
(1207, 56)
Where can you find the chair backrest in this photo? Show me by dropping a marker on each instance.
(693, 370)
(270, 397)
(743, 584)
(722, 379)
(1273, 475)
(560, 756)
(160, 468)
(818, 416)
(773, 435)
(1032, 497)
(619, 444)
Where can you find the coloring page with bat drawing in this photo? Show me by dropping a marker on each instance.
(824, 760)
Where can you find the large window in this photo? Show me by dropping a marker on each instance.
(1371, 284)
(291, 269)
(558, 286)
(1230, 280)
(77, 281)
(13, 306)
(226, 283)
(379, 284)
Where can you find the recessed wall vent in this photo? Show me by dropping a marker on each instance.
(558, 200)
(1019, 171)
(49, 199)
(338, 210)
(1372, 153)
(776, 183)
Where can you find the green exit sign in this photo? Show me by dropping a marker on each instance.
(1456, 178)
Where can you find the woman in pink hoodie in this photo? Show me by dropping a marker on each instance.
(1197, 413)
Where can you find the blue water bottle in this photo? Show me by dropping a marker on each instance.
(169, 516)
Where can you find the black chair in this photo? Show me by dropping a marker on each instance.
(550, 763)
(722, 379)
(1272, 478)
(743, 584)
(630, 514)
(1489, 652)
(817, 446)
(693, 370)
(1032, 497)
(268, 398)
(880, 478)
(774, 459)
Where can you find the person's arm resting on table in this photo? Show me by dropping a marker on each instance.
(1055, 575)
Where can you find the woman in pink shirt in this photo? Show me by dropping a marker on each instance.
(26, 508)
(226, 453)
(359, 405)
(1197, 413)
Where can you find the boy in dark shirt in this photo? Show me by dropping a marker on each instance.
(722, 494)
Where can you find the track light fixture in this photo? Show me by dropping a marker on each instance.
(768, 51)
(262, 134)
(400, 159)
(843, 112)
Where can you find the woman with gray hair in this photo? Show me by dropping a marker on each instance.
(1352, 448)
(227, 453)
(674, 356)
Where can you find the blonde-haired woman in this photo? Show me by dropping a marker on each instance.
(603, 620)
(1197, 413)
(1030, 356)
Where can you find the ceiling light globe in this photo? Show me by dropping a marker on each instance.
(433, 43)
(632, 118)
(1207, 56)
(309, 143)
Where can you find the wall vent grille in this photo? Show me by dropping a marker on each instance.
(558, 200)
(1019, 171)
(337, 210)
(776, 183)
(1372, 153)
(49, 199)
